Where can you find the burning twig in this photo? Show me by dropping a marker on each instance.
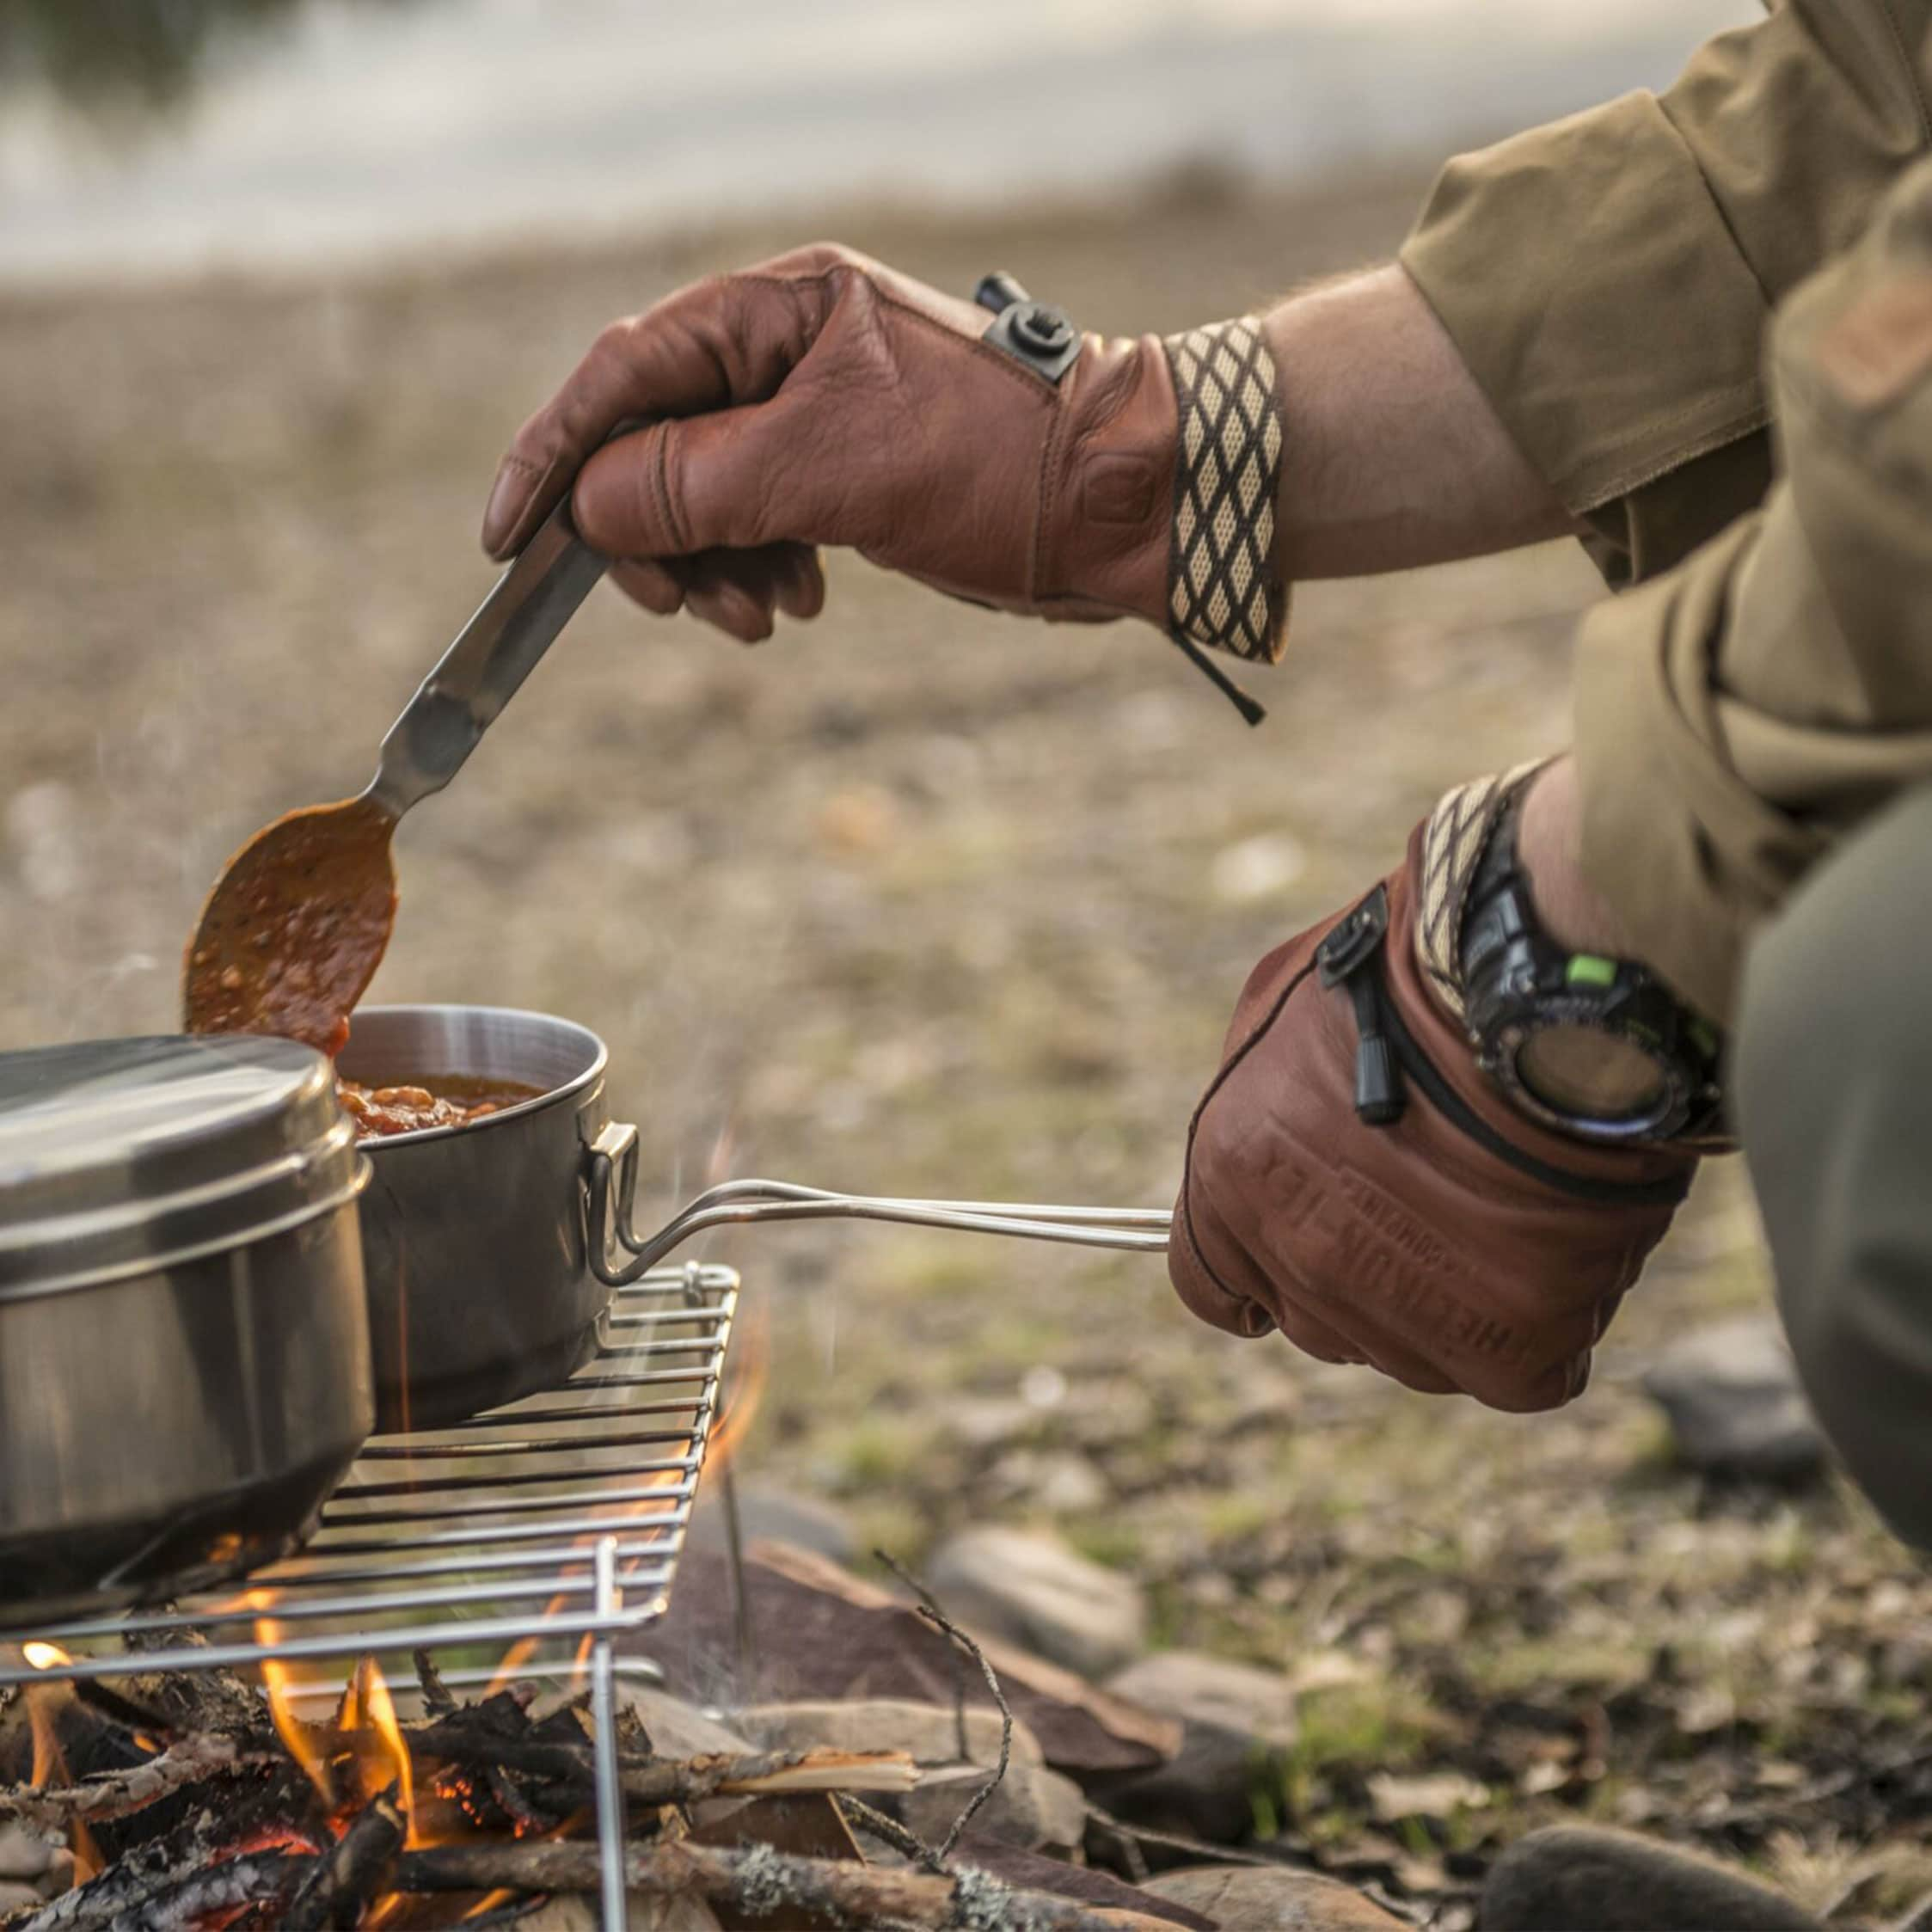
(438, 1700)
(935, 1615)
(756, 1881)
(111, 1795)
(342, 1881)
(514, 1806)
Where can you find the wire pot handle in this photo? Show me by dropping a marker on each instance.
(619, 1255)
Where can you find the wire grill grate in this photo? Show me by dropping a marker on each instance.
(554, 1524)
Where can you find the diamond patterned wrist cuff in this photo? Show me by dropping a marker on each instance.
(1452, 848)
(1222, 591)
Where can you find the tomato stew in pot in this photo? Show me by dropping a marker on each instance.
(408, 1108)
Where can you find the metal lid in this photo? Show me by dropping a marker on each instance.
(119, 1156)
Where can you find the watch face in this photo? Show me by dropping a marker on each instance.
(1581, 1074)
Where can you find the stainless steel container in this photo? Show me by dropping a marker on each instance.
(480, 1287)
(184, 1348)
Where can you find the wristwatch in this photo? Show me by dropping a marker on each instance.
(1592, 1045)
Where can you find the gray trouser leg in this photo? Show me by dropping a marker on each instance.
(1833, 1078)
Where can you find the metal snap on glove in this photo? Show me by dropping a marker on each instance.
(1004, 458)
(1353, 1180)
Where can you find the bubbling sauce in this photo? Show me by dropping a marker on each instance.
(407, 1107)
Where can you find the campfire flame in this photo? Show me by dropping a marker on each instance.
(50, 1762)
(44, 1656)
(385, 1760)
(278, 1681)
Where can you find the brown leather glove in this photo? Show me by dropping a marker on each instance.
(1458, 1246)
(821, 398)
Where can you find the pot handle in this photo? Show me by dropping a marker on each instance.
(619, 1255)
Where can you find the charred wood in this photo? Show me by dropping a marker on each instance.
(173, 1900)
(438, 1700)
(111, 1795)
(343, 1879)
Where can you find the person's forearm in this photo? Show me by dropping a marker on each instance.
(1549, 840)
(1392, 457)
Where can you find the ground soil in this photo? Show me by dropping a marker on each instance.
(920, 899)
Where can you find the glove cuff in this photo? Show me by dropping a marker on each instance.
(1223, 591)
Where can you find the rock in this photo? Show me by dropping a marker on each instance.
(929, 1732)
(819, 1631)
(1439, 1795)
(1259, 1898)
(1732, 1395)
(1060, 1480)
(1205, 1792)
(768, 1513)
(1238, 1697)
(678, 1729)
(1574, 1879)
(572, 1912)
(1033, 1591)
(990, 1422)
(1033, 1808)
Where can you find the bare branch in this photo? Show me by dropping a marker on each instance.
(939, 1620)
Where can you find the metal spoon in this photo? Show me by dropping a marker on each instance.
(298, 922)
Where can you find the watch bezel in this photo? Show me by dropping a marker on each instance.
(1519, 982)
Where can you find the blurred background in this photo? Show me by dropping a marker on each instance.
(915, 899)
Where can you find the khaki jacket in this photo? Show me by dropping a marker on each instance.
(1706, 317)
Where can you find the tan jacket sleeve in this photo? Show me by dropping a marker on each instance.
(1738, 715)
(1607, 278)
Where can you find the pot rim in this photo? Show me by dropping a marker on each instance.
(573, 1089)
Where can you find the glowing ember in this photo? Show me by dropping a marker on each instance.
(44, 1657)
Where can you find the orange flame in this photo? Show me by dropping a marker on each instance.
(277, 1678)
(384, 1759)
(741, 1401)
(44, 1656)
(521, 1652)
(49, 1761)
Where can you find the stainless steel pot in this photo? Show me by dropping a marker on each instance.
(184, 1353)
(480, 1288)
(493, 1247)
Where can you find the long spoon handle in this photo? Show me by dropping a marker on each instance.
(480, 671)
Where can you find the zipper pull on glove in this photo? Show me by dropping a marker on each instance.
(1347, 958)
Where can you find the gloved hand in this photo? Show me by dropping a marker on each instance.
(1458, 1246)
(824, 399)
